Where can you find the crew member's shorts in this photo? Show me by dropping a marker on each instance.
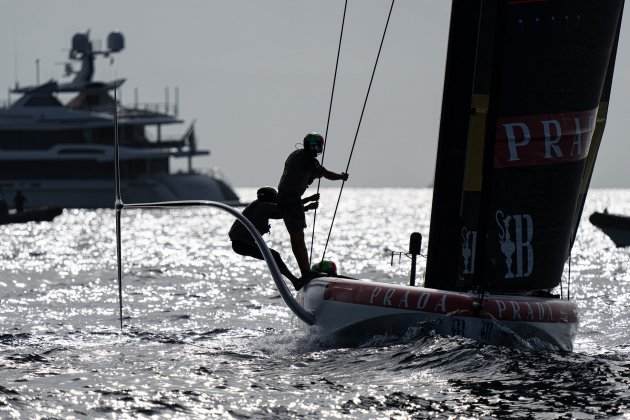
(249, 249)
(292, 212)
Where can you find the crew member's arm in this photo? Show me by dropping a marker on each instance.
(334, 176)
(311, 206)
(314, 197)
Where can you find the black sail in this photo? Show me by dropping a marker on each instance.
(541, 71)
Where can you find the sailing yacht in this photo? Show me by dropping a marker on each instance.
(61, 154)
(526, 92)
(525, 100)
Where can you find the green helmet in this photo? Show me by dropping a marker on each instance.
(325, 266)
(314, 143)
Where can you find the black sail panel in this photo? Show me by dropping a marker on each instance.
(476, 150)
(552, 63)
(445, 228)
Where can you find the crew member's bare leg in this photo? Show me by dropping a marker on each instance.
(299, 251)
(283, 267)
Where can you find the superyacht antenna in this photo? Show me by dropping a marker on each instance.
(176, 109)
(15, 59)
(166, 99)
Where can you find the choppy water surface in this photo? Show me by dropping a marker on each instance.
(207, 335)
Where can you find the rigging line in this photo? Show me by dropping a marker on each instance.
(118, 204)
(332, 94)
(118, 199)
(569, 281)
(356, 134)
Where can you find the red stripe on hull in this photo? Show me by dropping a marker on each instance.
(505, 308)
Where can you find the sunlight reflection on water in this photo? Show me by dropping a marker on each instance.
(208, 335)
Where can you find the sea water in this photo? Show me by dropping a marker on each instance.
(207, 335)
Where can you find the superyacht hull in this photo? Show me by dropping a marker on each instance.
(41, 214)
(351, 311)
(99, 192)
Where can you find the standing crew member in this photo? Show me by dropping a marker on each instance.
(300, 169)
(259, 212)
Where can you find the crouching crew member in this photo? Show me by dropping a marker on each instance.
(259, 212)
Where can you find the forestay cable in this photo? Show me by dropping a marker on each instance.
(118, 205)
(356, 134)
(332, 94)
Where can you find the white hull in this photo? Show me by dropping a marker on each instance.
(355, 310)
(99, 193)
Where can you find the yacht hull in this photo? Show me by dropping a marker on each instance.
(354, 310)
(42, 214)
(99, 193)
(617, 227)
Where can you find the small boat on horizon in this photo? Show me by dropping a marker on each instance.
(615, 226)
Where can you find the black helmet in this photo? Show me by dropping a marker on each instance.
(268, 194)
(314, 143)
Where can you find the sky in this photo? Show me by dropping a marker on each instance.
(257, 75)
